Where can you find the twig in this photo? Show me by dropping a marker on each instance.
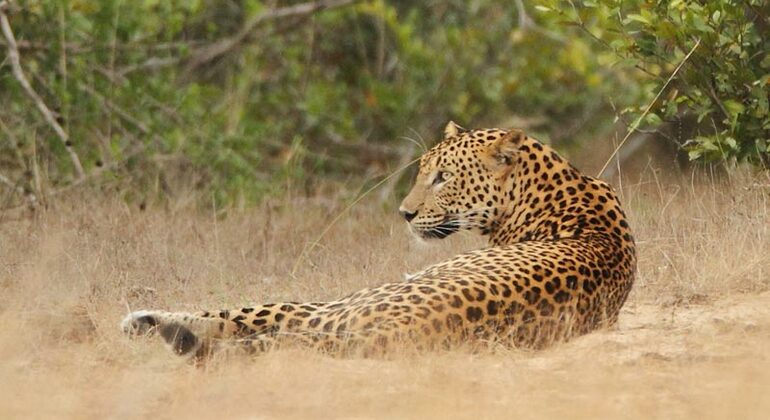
(406, 155)
(15, 187)
(18, 73)
(638, 121)
(525, 21)
(91, 175)
(634, 144)
(77, 48)
(10, 184)
(221, 47)
(15, 143)
(153, 63)
(125, 116)
(63, 68)
(138, 149)
(119, 78)
(713, 94)
(116, 109)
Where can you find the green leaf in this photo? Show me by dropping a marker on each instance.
(765, 63)
(637, 18)
(653, 120)
(619, 43)
(707, 143)
(700, 24)
(734, 109)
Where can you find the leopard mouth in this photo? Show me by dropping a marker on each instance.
(440, 231)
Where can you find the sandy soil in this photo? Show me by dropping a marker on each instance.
(692, 342)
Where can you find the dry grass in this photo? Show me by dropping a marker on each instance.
(692, 340)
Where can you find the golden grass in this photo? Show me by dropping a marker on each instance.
(692, 341)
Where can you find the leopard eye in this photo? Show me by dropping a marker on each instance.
(441, 177)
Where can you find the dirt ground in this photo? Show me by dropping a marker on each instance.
(693, 340)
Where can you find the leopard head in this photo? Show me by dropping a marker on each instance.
(463, 182)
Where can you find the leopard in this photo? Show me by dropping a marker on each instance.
(560, 263)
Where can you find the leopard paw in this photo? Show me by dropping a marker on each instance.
(139, 323)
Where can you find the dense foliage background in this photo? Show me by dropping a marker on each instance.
(235, 99)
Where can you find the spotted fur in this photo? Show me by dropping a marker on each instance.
(560, 263)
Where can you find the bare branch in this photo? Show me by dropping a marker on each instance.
(18, 189)
(16, 186)
(153, 63)
(136, 150)
(78, 48)
(116, 109)
(525, 21)
(221, 47)
(18, 73)
(125, 116)
(10, 184)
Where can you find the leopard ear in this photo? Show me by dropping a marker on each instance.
(505, 148)
(452, 130)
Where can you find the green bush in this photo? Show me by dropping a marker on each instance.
(725, 83)
(327, 95)
(331, 94)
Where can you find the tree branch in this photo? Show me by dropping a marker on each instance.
(18, 73)
(152, 63)
(223, 46)
(10, 184)
(525, 21)
(125, 116)
(116, 109)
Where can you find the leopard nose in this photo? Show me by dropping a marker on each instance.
(408, 215)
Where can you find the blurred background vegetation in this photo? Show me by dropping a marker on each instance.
(236, 100)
